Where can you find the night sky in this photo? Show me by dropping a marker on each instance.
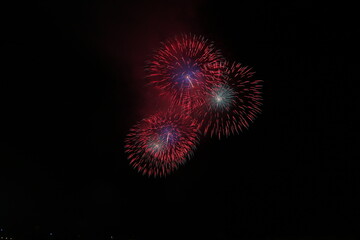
(73, 84)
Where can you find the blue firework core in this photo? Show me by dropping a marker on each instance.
(169, 135)
(186, 75)
(166, 136)
(222, 97)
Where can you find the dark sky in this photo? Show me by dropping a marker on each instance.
(72, 85)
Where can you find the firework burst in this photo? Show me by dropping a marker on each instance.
(230, 105)
(160, 143)
(181, 68)
(205, 94)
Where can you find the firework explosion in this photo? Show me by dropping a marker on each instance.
(181, 69)
(207, 95)
(232, 104)
(159, 144)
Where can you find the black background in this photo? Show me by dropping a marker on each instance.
(72, 85)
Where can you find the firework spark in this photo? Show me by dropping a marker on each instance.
(230, 106)
(181, 68)
(161, 143)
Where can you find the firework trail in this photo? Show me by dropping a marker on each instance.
(159, 144)
(232, 104)
(181, 68)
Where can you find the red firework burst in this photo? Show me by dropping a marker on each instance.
(157, 145)
(230, 105)
(181, 69)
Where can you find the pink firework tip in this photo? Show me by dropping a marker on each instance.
(159, 144)
(180, 67)
(232, 104)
